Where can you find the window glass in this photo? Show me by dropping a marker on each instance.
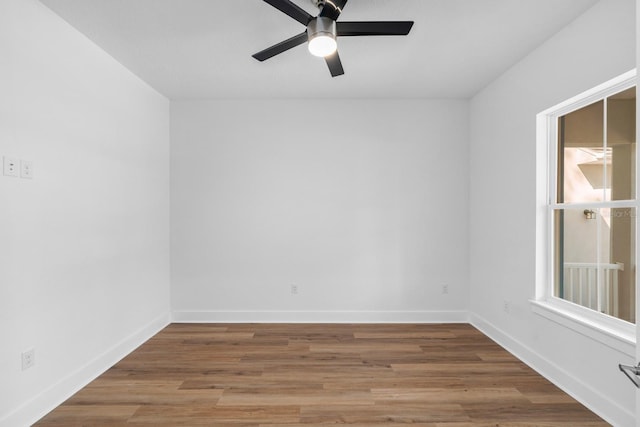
(595, 259)
(582, 155)
(621, 145)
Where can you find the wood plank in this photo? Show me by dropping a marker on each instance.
(92, 414)
(203, 415)
(505, 395)
(383, 414)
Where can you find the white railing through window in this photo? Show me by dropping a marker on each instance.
(593, 285)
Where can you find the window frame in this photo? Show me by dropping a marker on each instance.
(614, 332)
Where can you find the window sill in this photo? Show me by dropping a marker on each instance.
(622, 339)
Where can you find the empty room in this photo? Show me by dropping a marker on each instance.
(313, 212)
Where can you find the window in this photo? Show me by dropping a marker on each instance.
(589, 212)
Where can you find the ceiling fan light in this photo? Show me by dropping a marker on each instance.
(322, 45)
(322, 36)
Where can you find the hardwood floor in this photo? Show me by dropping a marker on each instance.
(254, 375)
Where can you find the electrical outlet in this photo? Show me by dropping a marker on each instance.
(294, 289)
(28, 359)
(26, 169)
(445, 289)
(10, 167)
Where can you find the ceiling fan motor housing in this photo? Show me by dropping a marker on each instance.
(321, 26)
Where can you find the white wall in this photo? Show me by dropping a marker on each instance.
(362, 204)
(596, 47)
(84, 253)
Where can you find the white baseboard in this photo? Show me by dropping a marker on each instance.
(320, 316)
(36, 408)
(600, 404)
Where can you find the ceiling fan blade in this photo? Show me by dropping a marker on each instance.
(332, 8)
(335, 65)
(374, 28)
(291, 9)
(281, 47)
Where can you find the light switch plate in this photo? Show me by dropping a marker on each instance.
(11, 167)
(26, 169)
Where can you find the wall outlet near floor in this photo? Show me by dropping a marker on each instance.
(445, 289)
(28, 359)
(294, 289)
(10, 166)
(506, 306)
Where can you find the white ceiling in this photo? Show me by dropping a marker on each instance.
(203, 48)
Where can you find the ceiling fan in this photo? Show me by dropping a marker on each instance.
(322, 31)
